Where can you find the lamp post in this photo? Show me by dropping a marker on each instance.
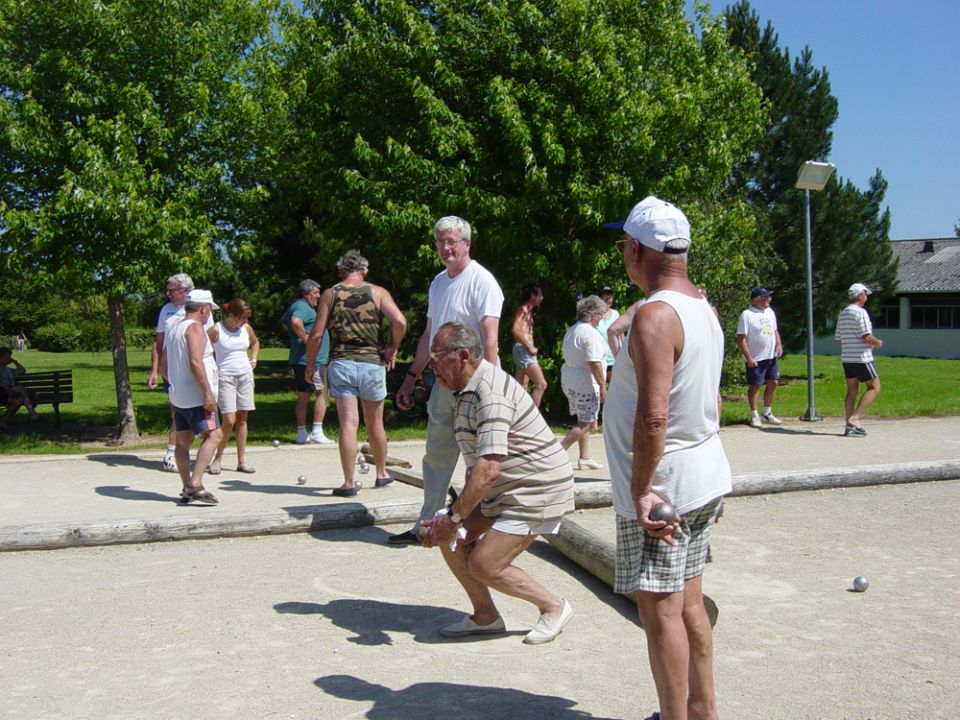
(812, 176)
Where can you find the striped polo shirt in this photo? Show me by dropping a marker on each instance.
(495, 416)
(852, 325)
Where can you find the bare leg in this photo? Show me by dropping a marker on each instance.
(204, 455)
(539, 382)
(769, 391)
(300, 409)
(241, 430)
(667, 650)
(850, 399)
(752, 392)
(578, 432)
(349, 421)
(320, 407)
(228, 421)
(491, 561)
(376, 434)
(702, 697)
(869, 395)
(184, 441)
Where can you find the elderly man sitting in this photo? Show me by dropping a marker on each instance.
(519, 484)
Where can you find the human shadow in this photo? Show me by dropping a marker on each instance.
(372, 621)
(124, 492)
(285, 489)
(791, 431)
(124, 460)
(435, 699)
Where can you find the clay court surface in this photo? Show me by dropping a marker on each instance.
(340, 625)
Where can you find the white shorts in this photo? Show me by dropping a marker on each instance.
(236, 393)
(527, 527)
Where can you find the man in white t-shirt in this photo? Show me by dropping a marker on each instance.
(758, 338)
(464, 292)
(855, 335)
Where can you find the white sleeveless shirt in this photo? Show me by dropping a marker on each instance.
(694, 468)
(184, 390)
(231, 351)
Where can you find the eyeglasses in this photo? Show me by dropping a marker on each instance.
(621, 243)
(449, 243)
(177, 290)
(435, 356)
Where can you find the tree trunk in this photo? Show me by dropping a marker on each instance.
(121, 373)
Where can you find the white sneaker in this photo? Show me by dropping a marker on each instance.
(302, 437)
(772, 419)
(170, 464)
(755, 421)
(588, 464)
(320, 439)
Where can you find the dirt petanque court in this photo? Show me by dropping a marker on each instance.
(337, 624)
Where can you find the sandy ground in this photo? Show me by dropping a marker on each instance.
(340, 625)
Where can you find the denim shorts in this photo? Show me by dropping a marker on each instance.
(522, 357)
(349, 378)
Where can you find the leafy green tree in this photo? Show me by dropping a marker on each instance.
(127, 139)
(537, 121)
(850, 227)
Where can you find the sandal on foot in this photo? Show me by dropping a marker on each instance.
(244, 468)
(202, 495)
(214, 468)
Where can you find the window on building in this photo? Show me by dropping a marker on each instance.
(935, 313)
(888, 315)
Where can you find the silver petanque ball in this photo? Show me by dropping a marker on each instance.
(276, 443)
(860, 583)
(663, 511)
(302, 480)
(359, 484)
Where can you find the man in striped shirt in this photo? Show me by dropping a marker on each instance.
(519, 484)
(856, 338)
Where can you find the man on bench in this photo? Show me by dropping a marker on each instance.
(10, 393)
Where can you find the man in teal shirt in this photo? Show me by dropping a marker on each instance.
(299, 319)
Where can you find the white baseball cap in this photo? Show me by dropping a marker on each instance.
(654, 222)
(201, 297)
(854, 290)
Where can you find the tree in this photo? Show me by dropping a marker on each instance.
(127, 144)
(850, 228)
(537, 121)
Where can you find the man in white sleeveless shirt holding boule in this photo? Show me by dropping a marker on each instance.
(661, 432)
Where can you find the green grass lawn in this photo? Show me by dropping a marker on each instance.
(910, 387)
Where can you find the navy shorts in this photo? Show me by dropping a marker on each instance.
(303, 383)
(764, 371)
(196, 419)
(864, 372)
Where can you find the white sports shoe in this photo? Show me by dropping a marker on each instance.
(170, 464)
(320, 439)
(755, 421)
(772, 419)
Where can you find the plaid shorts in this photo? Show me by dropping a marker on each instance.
(650, 564)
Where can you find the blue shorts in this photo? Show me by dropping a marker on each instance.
(195, 419)
(522, 357)
(764, 371)
(349, 378)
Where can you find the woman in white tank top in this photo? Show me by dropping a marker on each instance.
(232, 338)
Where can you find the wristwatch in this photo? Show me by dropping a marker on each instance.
(455, 517)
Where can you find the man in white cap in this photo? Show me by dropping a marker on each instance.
(661, 432)
(855, 335)
(758, 338)
(192, 373)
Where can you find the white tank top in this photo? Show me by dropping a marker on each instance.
(231, 350)
(694, 468)
(184, 390)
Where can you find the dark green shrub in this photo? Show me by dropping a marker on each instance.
(57, 337)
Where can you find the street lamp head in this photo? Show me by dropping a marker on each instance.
(814, 175)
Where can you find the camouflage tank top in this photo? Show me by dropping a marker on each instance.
(355, 325)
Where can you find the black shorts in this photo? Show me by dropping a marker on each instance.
(864, 372)
(303, 383)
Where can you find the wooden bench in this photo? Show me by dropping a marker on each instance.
(50, 387)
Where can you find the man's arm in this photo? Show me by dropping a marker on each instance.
(315, 339)
(744, 347)
(398, 325)
(519, 331)
(778, 350)
(656, 339)
(196, 344)
(872, 340)
(619, 326)
(155, 351)
(489, 327)
(420, 360)
(480, 478)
